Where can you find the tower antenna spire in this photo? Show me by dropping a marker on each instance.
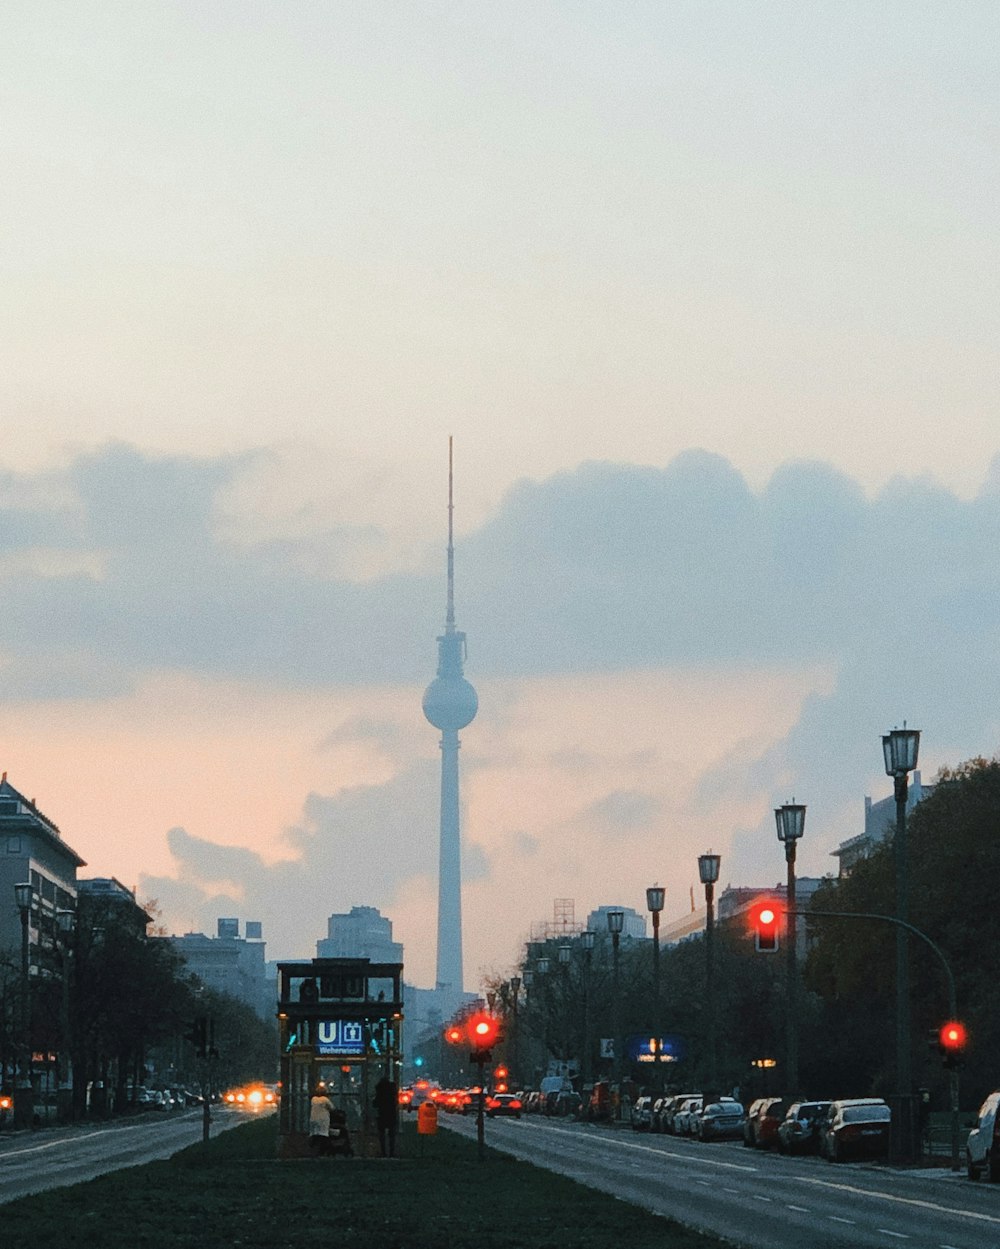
(449, 619)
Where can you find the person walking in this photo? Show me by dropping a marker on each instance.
(386, 1104)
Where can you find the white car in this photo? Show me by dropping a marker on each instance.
(685, 1118)
(982, 1150)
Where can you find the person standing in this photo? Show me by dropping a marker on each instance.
(320, 1110)
(386, 1104)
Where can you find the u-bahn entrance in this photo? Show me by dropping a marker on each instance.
(340, 1028)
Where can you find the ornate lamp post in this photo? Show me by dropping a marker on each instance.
(65, 930)
(900, 748)
(587, 942)
(616, 922)
(708, 871)
(791, 820)
(24, 1109)
(654, 904)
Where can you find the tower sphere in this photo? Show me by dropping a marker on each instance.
(450, 703)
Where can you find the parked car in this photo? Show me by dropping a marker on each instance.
(798, 1132)
(763, 1117)
(855, 1128)
(687, 1110)
(668, 1115)
(569, 1105)
(982, 1149)
(721, 1121)
(642, 1113)
(656, 1114)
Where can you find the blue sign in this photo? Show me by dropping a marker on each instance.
(340, 1037)
(671, 1049)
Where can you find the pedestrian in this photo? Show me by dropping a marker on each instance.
(320, 1110)
(386, 1103)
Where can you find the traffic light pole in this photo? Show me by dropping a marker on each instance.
(952, 1004)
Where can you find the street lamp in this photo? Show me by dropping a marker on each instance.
(708, 871)
(65, 930)
(654, 904)
(900, 748)
(587, 939)
(616, 922)
(791, 819)
(24, 1109)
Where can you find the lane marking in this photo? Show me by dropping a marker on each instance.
(66, 1140)
(878, 1195)
(758, 1197)
(800, 1209)
(696, 1159)
(899, 1235)
(835, 1218)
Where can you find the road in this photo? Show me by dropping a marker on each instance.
(32, 1162)
(755, 1199)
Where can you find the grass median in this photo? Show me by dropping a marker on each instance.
(235, 1193)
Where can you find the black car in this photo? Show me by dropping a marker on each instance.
(855, 1128)
(798, 1132)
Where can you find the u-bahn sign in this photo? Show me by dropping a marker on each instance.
(340, 1038)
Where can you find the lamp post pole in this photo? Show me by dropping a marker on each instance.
(708, 871)
(528, 980)
(791, 819)
(542, 967)
(65, 929)
(24, 1109)
(515, 993)
(900, 747)
(565, 955)
(587, 941)
(616, 922)
(654, 904)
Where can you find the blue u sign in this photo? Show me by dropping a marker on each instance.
(340, 1036)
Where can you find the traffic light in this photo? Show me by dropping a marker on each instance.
(482, 1030)
(197, 1034)
(764, 919)
(951, 1043)
(453, 1034)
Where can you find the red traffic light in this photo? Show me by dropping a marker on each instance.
(481, 1030)
(765, 919)
(453, 1034)
(952, 1036)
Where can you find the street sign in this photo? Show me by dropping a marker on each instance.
(607, 1047)
(340, 1037)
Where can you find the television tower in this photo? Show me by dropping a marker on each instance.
(450, 703)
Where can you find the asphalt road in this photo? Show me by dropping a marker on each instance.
(755, 1199)
(32, 1162)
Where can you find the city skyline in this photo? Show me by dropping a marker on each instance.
(706, 299)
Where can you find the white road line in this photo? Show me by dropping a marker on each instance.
(758, 1197)
(799, 1209)
(877, 1194)
(835, 1218)
(899, 1235)
(85, 1136)
(698, 1159)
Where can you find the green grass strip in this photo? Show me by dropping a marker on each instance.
(235, 1194)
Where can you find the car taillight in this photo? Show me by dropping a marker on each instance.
(515, 1104)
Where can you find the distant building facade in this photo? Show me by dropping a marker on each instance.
(32, 850)
(880, 823)
(362, 932)
(633, 926)
(231, 964)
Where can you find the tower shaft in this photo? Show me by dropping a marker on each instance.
(449, 925)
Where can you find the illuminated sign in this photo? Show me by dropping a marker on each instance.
(639, 1049)
(340, 1036)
